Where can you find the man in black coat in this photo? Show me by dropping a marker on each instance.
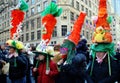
(18, 66)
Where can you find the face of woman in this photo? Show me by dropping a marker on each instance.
(11, 50)
(41, 57)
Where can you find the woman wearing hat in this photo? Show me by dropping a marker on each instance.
(45, 68)
(18, 63)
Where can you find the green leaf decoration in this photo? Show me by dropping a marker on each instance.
(52, 9)
(23, 5)
(109, 19)
(14, 44)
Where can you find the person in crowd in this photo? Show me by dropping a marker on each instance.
(57, 55)
(3, 61)
(18, 62)
(45, 67)
(103, 68)
(118, 62)
(76, 71)
(30, 58)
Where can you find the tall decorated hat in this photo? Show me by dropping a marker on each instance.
(72, 40)
(102, 21)
(49, 20)
(102, 38)
(17, 17)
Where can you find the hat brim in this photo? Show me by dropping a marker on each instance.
(12, 47)
(42, 53)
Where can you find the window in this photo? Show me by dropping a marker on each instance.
(5, 16)
(86, 2)
(27, 13)
(33, 2)
(77, 16)
(45, 3)
(32, 11)
(82, 7)
(38, 34)
(77, 5)
(38, 22)
(72, 16)
(38, 8)
(27, 36)
(5, 24)
(32, 35)
(22, 37)
(87, 35)
(53, 42)
(86, 11)
(83, 33)
(27, 25)
(72, 2)
(90, 13)
(54, 32)
(32, 24)
(90, 4)
(64, 30)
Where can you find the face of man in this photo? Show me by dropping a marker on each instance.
(100, 54)
(3, 47)
(11, 50)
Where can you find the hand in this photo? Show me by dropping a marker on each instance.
(60, 62)
(34, 69)
(3, 62)
(47, 72)
(15, 55)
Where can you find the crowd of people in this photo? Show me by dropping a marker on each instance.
(22, 66)
(71, 62)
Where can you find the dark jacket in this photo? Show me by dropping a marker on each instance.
(100, 73)
(2, 57)
(19, 71)
(118, 62)
(75, 72)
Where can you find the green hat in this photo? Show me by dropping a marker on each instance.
(103, 47)
(45, 50)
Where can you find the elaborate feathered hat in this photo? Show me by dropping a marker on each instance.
(70, 43)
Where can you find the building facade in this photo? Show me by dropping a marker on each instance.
(116, 6)
(32, 23)
(115, 26)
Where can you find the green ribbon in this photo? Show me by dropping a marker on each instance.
(15, 62)
(47, 63)
(109, 64)
(37, 64)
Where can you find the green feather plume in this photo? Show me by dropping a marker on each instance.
(23, 5)
(52, 9)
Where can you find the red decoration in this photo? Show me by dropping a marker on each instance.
(50, 21)
(17, 17)
(75, 34)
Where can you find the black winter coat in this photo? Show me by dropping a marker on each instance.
(2, 57)
(20, 70)
(100, 73)
(75, 72)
